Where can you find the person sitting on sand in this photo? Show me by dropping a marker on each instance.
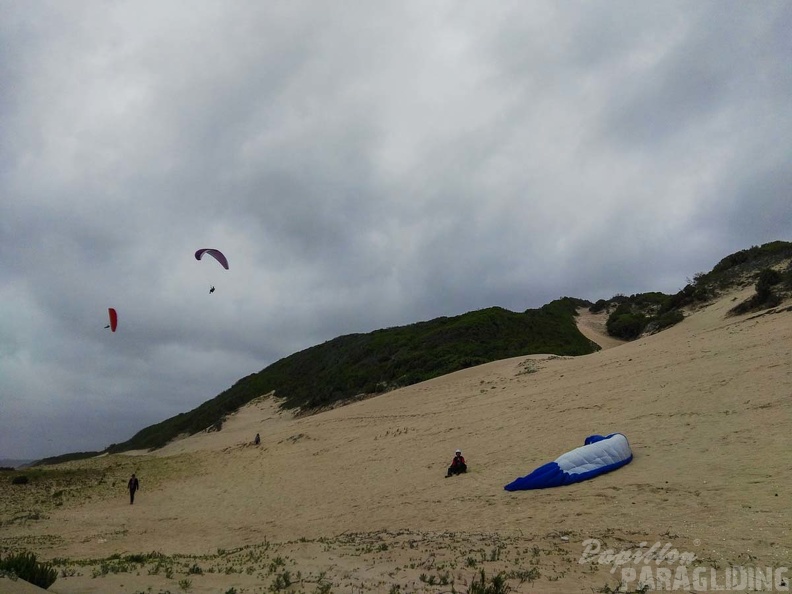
(458, 465)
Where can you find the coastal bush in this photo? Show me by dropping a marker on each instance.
(25, 566)
(669, 319)
(281, 582)
(20, 480)
(753, 254)
(765, 296)
(627, 326)
(768, 278)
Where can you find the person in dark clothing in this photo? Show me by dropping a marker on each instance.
(211, 289)
(458, 465)
(257, 441)
(133, 485)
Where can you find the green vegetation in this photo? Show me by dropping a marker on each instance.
(651, 312)
(752, 256)
(66, 458)
(497, 585)
(72, 484)
(767, 294)
(356, 365)
(634, 314)
(25, 566)
(740, 269)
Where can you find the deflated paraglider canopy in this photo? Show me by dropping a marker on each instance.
(216, 254)
(598, 456)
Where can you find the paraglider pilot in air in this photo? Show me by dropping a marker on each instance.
(458, 465)
(217, 255)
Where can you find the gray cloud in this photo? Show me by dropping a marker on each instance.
(362, 166)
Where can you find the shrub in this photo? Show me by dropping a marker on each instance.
(281, 582)
(497, 585)
(20, 480)
(768, 278)
(627, 326)
(669, 319)
(765, 296)
(25, 567)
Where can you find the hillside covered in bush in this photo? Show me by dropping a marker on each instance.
(768, 266)
(355, 365)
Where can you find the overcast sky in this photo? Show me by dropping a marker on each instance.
(362, 164)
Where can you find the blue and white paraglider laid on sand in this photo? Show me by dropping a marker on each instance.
(598, 456)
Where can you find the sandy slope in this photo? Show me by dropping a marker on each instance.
(358, 492)
(592, 326)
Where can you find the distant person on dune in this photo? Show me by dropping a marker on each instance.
(257, 441)
(133, 485)
(458, 465)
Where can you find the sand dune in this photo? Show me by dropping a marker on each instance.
(355, 497)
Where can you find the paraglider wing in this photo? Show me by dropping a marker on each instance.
(216, 254)
(113, 319)
(598, 456)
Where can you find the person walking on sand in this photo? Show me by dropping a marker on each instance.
(133, 485)
(257, 441)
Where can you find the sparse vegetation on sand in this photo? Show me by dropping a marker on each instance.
(406, 561)
(25, 566)
(33, 493)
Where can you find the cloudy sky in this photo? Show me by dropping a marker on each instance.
(362, 164)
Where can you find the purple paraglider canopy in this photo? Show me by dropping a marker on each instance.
(217, 254)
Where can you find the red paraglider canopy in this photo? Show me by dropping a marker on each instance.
(217, 254)
(113, 319)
